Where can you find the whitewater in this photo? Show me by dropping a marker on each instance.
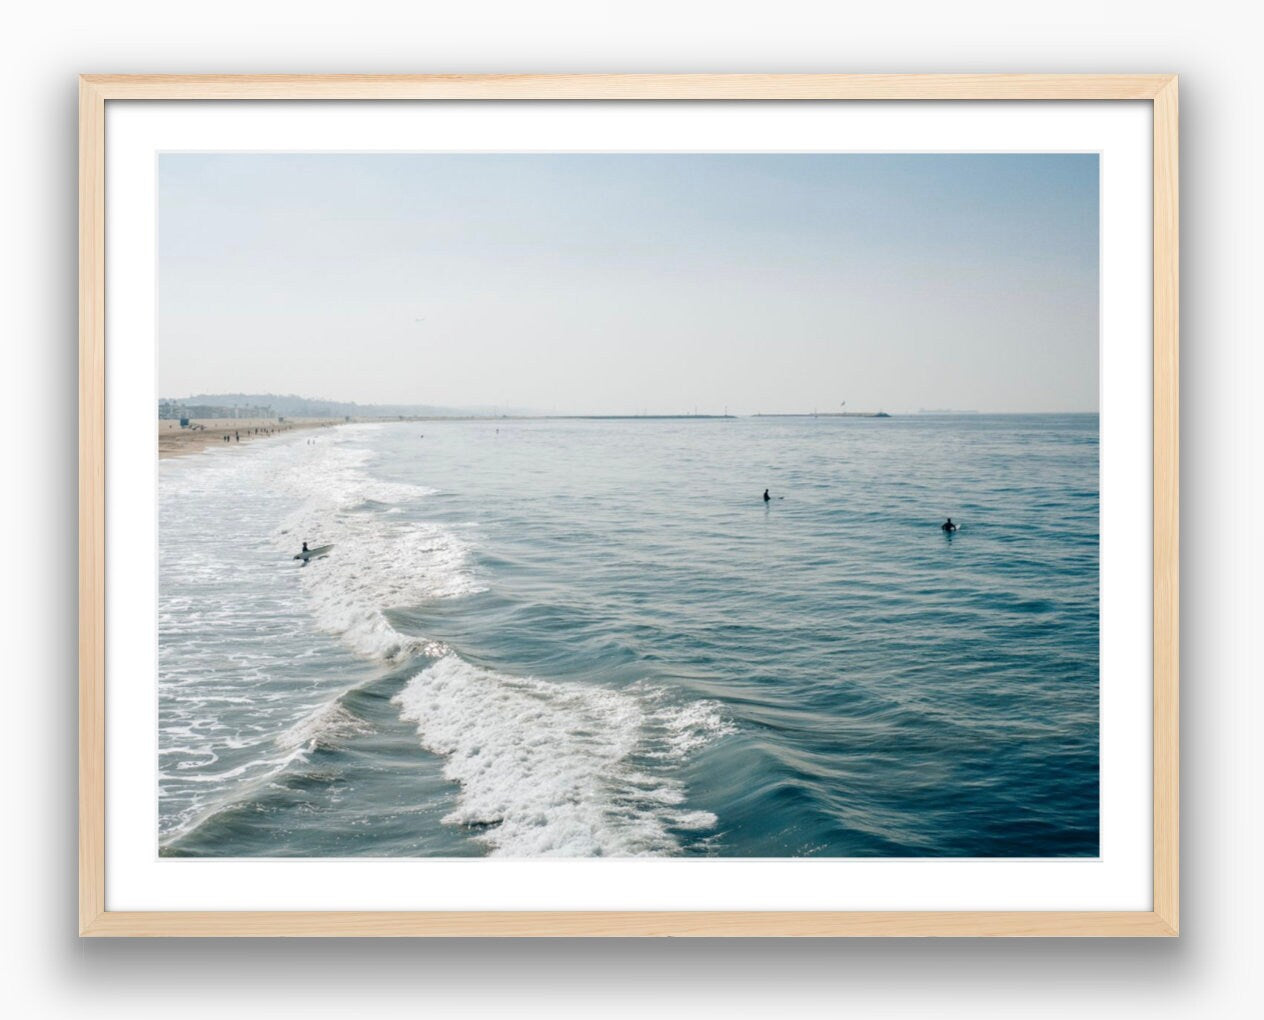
(593, 638)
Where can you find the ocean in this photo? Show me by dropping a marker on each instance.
(594, 638)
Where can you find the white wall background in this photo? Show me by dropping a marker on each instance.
(1212, 970)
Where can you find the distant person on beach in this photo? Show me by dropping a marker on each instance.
(767, 498)
(948, 525)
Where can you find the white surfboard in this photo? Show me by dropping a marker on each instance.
(311, 554)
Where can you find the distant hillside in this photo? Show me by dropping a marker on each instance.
(293, 406)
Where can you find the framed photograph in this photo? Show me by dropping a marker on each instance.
(628, 505)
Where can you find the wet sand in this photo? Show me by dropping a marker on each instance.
(173, 441)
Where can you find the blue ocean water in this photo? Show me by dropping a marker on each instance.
(593, 637)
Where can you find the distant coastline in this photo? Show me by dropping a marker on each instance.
(183, 435)
(180, 436)
(826, 414)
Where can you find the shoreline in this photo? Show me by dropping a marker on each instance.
(174, 441)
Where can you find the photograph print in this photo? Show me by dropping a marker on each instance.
(693, 505)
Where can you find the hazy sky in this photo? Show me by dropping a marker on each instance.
(623, 283)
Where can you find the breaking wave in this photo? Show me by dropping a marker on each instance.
(542, 768)
(383, 561)
(557, 769)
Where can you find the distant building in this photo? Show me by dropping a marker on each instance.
(177, 409)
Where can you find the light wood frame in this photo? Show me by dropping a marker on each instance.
(96, 90)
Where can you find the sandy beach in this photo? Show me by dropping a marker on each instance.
(174, 441)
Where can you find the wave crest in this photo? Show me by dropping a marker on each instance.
(555, 769)
(381, 559)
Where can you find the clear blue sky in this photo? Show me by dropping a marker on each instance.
(621, 283)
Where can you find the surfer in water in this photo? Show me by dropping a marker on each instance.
(304, 552)
(948, 525)
(767, 497)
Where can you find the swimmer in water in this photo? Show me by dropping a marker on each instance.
(766, 496)
(948, 525)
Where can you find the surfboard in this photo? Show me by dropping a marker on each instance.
(311, 554)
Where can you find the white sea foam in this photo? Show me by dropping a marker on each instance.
(226, 730)
(555, 769)
(382, 560)
(543, 768)
(325, 727)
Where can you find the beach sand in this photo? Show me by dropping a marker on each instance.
(173, 441)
